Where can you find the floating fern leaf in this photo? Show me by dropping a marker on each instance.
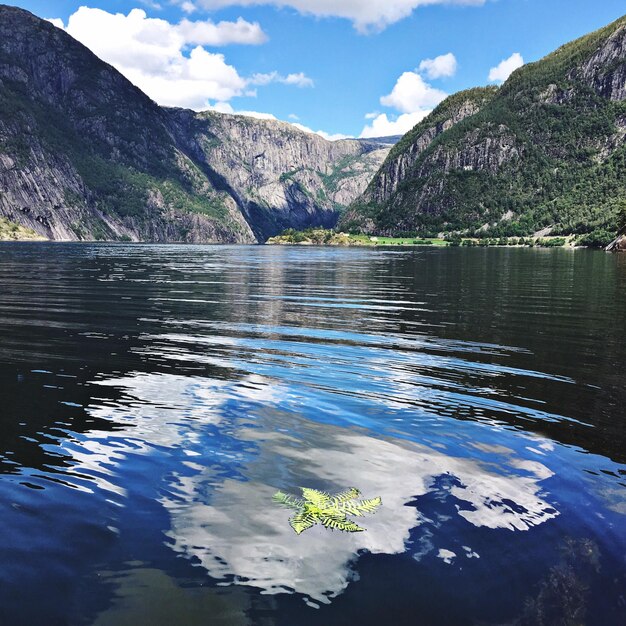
(369, 506)
(320, 499)
(346, 496)
(337, 523)
(287, 500)
(319, 507)
(302, 520)
(361, 507)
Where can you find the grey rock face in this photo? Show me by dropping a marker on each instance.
(619, 244)
(396, 169)
(417, 156)
(86, 155)
(605, 71)
(280, 176)
(475, 153)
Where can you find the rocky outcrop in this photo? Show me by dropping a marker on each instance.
(86, 155)
(547, 149)
(280, 177)
(403, 158)
(605, 70)
(475, 153)
(10, 231)
(619, 244)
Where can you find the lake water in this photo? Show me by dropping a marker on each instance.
(154, 398)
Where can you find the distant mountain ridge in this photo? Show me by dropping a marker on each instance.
(545, 150)
(86, 155)
(388, 140)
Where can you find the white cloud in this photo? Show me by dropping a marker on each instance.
(366, 15)
(412, 96)
(223, 33)
(185, 5)
(293, 116)
(226, 107)
(505, 68)
(151, 4)
(149, 52)
(442, 66)
(299, 80)
(155, 55)
(321, 133)
(382, 126)
(191, 82)
(57, 22)
(411, 93)
(104, 30)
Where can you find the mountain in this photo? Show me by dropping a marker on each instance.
(547, 150)
(279, 176)
(85, 155)
(389, 140)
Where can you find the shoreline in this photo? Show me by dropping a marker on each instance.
(300, 244)
(320, 237)
(418, 245)
(326, 238)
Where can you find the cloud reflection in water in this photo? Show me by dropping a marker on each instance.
(239, 532)
(220, 503)
(268, 418)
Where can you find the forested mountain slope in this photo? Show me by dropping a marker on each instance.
(547, 149)
(86, 155)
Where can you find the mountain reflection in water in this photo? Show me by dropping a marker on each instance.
(157, 396)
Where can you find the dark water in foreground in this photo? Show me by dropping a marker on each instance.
(153, 398)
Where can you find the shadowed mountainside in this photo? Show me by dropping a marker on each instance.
(84, 155)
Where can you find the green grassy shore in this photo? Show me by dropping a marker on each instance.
(10, 231)
(323, 237)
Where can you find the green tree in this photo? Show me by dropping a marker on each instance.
(621, 216)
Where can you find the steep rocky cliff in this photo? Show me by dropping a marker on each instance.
(279, 176)
(402, 158)
(86, 155)
(546, 150)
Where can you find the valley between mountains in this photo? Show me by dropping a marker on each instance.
(85, 155)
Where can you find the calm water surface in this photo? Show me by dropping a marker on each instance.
(153, 398)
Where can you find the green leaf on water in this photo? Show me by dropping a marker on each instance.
(319, 507)
(287, 500)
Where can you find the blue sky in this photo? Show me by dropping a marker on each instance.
(342, 67)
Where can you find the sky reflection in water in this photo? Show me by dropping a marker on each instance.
(160, 428)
